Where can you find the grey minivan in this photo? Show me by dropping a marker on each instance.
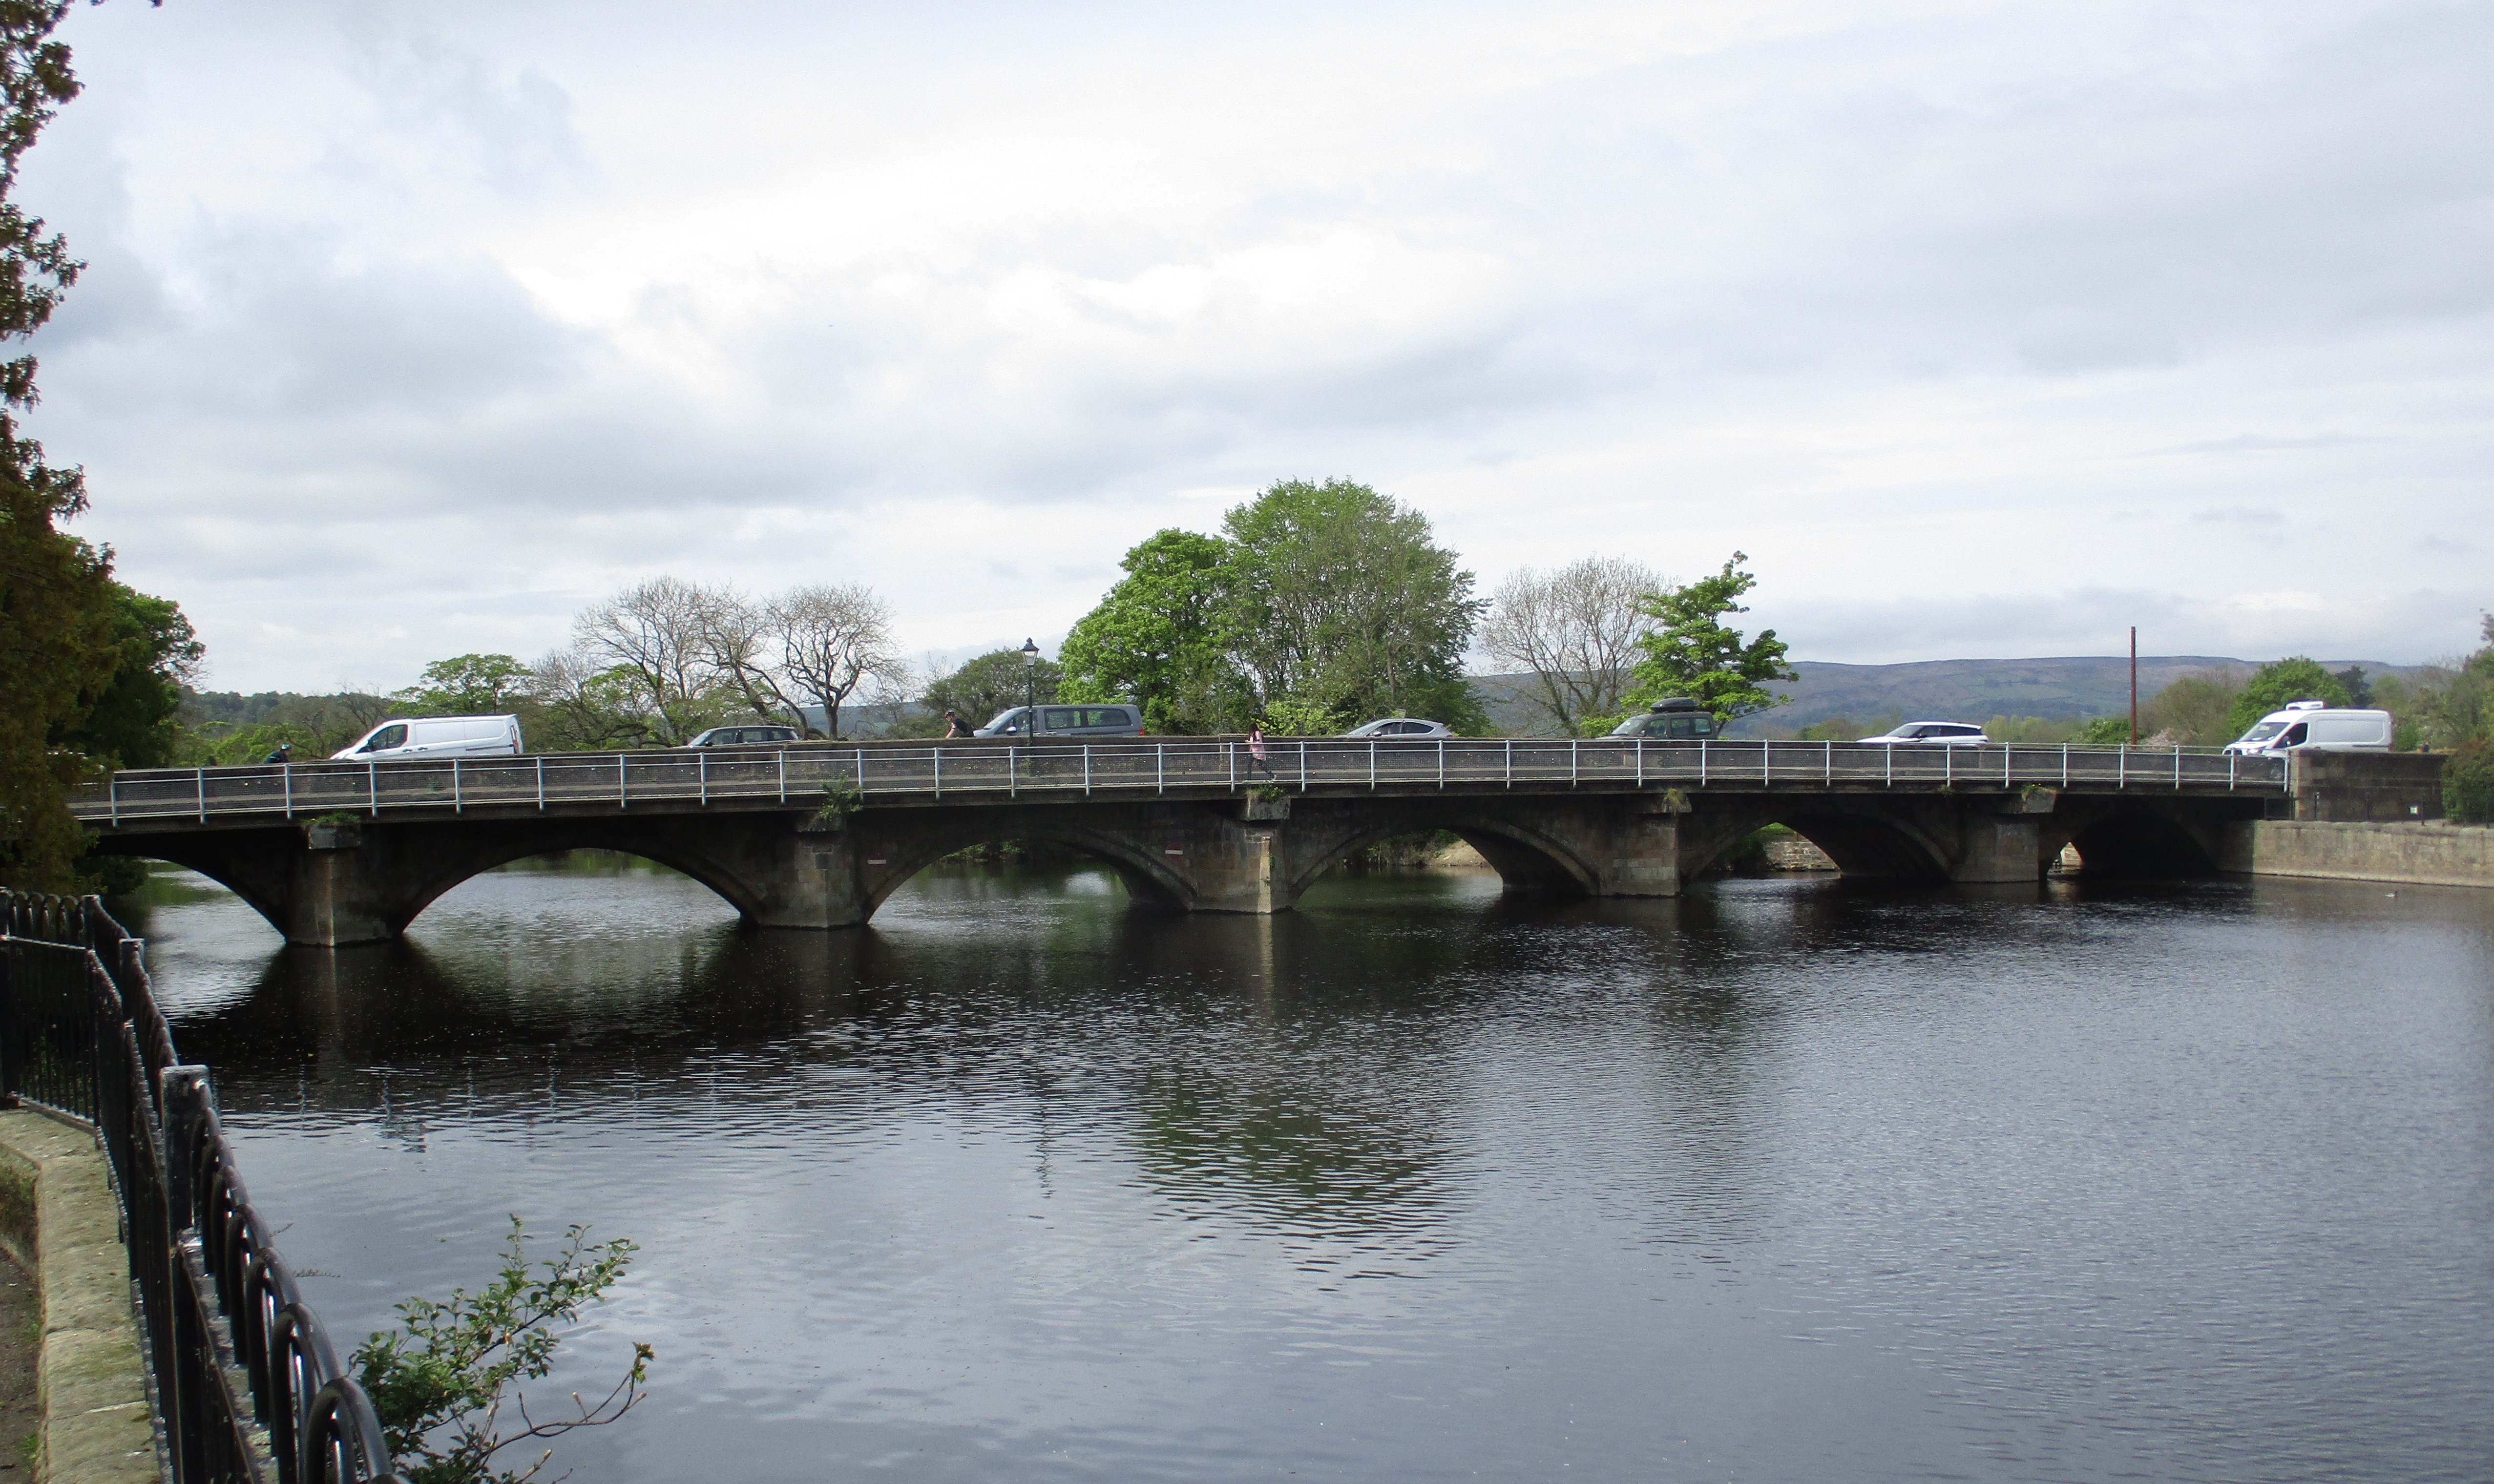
(1085, 720)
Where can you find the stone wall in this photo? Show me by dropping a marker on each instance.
(2367, 787)
(2434, 853)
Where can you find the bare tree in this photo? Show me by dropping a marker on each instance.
(586, 706)
(743, 643)
(834, 641)
(1574, 630)
(658, 634)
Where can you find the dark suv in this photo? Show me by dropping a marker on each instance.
(1676, 717)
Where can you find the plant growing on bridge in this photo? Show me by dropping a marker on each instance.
(840, 800)
(439, 1387)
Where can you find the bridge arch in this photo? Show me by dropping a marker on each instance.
(1145, 878)
(684, 857)
(421, 877)
(1876, 840)
(1525, 859)
(2140, 843)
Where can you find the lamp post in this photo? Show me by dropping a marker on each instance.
(1030, 671)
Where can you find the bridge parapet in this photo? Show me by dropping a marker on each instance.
(988, 774)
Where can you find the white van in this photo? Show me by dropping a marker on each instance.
(2316, 726)
(435, 737)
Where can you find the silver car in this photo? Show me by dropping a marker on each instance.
(745, 737)
(1401, 729)
(1932, 733)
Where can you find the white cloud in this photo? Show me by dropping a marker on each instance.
(1983, 329)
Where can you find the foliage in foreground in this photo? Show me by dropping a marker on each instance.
(441, 1385)
(89, 669)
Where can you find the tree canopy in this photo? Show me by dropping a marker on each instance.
(469, 685)
(1156, 637)
(1575, 631)
(1340, 599)
(994, 681)
(2276, 683)
(1319, 604)
(1689, 652)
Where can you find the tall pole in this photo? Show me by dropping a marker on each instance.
(2134, 684)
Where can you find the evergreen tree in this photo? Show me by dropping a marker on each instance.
(57, 608)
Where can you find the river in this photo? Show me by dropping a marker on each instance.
(1780, 1180)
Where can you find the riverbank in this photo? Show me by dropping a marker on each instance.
(2424, 853)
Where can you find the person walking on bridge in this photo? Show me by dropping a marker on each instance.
(1256, 746)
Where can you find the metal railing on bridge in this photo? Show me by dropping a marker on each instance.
(243, 1380)
(798, 774)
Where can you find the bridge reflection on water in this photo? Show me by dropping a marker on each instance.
(1797, 1180)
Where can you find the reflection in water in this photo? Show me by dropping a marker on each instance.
(1777, 1180)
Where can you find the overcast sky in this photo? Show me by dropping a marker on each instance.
(1986, 329)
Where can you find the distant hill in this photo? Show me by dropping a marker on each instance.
(1950, 689)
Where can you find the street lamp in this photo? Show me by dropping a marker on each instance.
(1030, 669)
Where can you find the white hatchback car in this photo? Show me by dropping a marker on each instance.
(1931, 734)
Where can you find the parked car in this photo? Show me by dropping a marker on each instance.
(1675, 717)
(1085, 720)
(746, 737)
(2315, 726)
(1932, 733)
(435, 737)
(1406, 728)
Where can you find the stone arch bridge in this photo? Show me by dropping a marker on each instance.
(817, 837)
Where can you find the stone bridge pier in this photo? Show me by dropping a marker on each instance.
(365, 881)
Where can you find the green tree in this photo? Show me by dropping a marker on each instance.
(469, 685)
(986, 686)
(1337, 599)
(1691, 652)
(58, 617)
(2194, 710)
(2468, 782)
(2106, 732)
(133, 720)
(2276, 683)
(2461, 709)
(1157, 637)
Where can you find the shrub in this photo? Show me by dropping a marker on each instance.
(2468, 782)
(438, 1387)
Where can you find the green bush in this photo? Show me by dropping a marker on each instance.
(2468, 783)
(439, 1387)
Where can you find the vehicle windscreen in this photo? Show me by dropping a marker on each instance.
(1632, 727)
(2264, 731)
(997, 721)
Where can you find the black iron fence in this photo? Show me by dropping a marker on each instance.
(245, 1383)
